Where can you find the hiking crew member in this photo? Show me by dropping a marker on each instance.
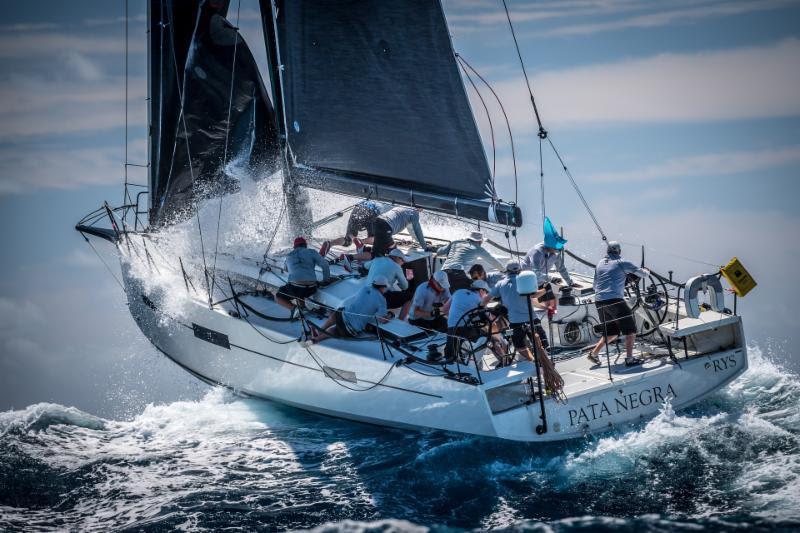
(462, 302)
(302, 283)
(426, 306)
(615, 315)
(365, 307)
(393, 222)
(462, 254)
(391, 267)
(362, 217)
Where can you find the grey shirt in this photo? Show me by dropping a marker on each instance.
(462, 255)
(302, 262)
(424, 298)
(540, 262)
(400, 218)
(609, 277)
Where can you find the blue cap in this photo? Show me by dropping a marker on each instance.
(551, 237)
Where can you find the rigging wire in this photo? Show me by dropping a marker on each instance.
(188, 152)
(505, 115)
(578, 190)
(488, 118)
(225, 150)
(541, 183)
(542, 131)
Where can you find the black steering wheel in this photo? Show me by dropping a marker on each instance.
(652, 296)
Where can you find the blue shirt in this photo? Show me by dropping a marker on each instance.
(609, 277)
(462, 302)
(387, 267)
(399, 218)
(493, 277)
(301, 264)
(362, 308)
(506, 290)
(424, 298)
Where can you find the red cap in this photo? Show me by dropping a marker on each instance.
(299, 241)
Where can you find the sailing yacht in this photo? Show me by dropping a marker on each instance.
(366, 100)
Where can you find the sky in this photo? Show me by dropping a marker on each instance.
(680, 121)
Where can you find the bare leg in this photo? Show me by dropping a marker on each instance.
(602, 342)
(404, 310)
(629, 340)
(321, 333)
(283, 302)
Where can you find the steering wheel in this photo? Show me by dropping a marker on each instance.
(652, 297)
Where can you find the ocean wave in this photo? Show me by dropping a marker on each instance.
(730, 461)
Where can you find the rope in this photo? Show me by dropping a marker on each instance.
(225, 150)
(104, 262)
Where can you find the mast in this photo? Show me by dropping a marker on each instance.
(296, 197)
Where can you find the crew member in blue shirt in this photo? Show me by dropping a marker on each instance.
(301, 264)
(615, 315)
(365, 307)
(519, 318)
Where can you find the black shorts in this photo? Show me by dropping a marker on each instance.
(341, 328)
(520, 332)
(616, 317)
(290, 291)
(458, 279)
(395, 299)
(361, 217)
(382, 232)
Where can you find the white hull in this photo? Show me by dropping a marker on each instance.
(259, 361)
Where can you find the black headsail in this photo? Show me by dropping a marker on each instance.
(191, 64)
(375, 106)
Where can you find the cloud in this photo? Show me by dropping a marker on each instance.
(717, 164)
(24, 169)
(83, 67)
(36, 107)
(667, 17)
(28, 45)
(742, 83)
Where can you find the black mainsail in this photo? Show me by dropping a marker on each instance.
(196, 85)
(375, 106)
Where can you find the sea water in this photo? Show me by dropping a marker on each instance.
(225, 462)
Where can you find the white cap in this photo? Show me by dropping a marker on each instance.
(479, 284)
(614, 247)
(513, 267)
(397, 253)
(380, 281)
(441, 278)
(476, 236)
